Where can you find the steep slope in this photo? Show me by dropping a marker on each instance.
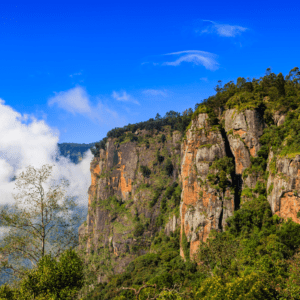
(128, 194)
(204, 204)
(240, 145)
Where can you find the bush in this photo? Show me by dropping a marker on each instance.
(145, 171)
(169, 167)
(138, 230)
(52, 279)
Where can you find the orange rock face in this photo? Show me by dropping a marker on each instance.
(289, 207)
(244, 130)
(284, 187)
(202, 207)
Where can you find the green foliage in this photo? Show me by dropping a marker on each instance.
(173, 119)
(163, 267)
(251, 255)
(292, 288)
(51, 279)
(220, 172)
(145, 171)
(159, 157)
(156, 195)
(267, 94)
(138, 230)
(169, 167)
(185, 246)
(270, 188)
(112, 204)
(246, 287)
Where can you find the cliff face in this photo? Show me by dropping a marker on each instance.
(203, 206)
(284, 186)
(128, 183)
(218, 167)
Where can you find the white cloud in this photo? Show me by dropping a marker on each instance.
(124, 97)
(77, 101)
(74, 101)
(26, 141)
(195, 57)
(152, 92)
(225, 30)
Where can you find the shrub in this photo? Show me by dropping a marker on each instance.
(145, 171)
(138, 230)
(169, 167)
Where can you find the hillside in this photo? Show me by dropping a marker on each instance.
(203, 204)
(158, 187)
(74, 151)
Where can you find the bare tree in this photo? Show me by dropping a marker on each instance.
(40, 222)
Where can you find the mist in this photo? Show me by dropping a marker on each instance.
(25, 141)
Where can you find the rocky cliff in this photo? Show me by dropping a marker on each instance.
(129, 198)
(236, 146)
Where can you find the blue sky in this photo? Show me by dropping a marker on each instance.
(85, 67)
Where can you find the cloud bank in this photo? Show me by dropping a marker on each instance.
(26, 141)
(196, 57)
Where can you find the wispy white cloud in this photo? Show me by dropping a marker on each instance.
(196, 57)
(225, 30)
(203, 79)
(153, 92)
(124, 97)
(77, 101)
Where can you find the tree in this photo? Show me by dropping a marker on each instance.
(52, 279)
(169, 167)
(38, 223)
(61, 279)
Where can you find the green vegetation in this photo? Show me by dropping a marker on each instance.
(145, 171)
(220, 172)
(169, 167)
(267, 94)
(256, 257)
(175, 120)
(51, 279)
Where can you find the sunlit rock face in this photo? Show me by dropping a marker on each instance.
(284, 186)
(203, 207)
(244, 130)
(120, 196)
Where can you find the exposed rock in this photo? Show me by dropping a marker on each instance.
(119, 195)
(279, 118)
(172, 225)
(244, 130)
(283, 186)
(202, 207)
